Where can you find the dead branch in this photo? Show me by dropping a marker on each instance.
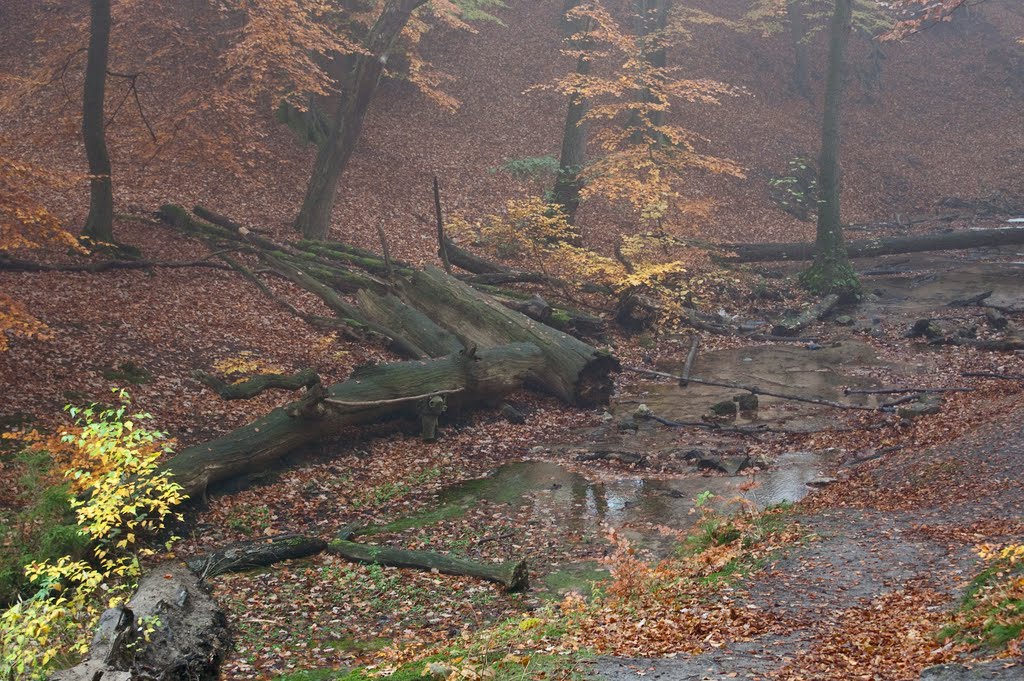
(752, 389)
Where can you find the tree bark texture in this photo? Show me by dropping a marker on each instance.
(568, 181)
(831, 271)
(188, 643)
(99, 225)
(572, 370)
(513, 575)
(358, 88)
(371, 395)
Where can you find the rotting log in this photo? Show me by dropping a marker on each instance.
(187, 644)
(513, 574)
(867, 248)
(791, 325)
(255, 385)
(255, 553)
(572, 370)
(416, 327)
(371, 395)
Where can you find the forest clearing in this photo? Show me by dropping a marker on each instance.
(497, 340)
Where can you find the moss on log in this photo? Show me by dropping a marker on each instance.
(513, 575)
(371, 395)
(255, 553)
(572, 370)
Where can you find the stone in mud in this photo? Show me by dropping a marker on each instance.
(821, 483)
(927, 328)
(746, 403)
(844, 320)
(728, 464)
(724, 409)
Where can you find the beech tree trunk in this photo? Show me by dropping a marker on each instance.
(569, 182)
(99, 225)
(832, 271)
(798, 35)
(867, 248)
(360, 84)
(652, 20)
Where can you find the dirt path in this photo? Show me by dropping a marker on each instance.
(876, 559)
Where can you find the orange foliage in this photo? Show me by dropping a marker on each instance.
(643, 154)
(25, 223)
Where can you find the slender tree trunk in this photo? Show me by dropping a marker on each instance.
(798, 33)
(832, 271)
(569, 182)
(360, 84)
(652, 20)
(99, 224)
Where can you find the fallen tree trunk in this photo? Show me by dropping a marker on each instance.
(371, 395)
(513, 575)
(572, 370)
(255, 553)
(187, 643)
(866, 248)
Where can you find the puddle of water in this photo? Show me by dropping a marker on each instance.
(633, 505)
(917, 296)
(783, 368)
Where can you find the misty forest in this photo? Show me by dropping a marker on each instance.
(511, 340)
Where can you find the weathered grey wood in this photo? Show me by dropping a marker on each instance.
(371, 395)
(187, 644)
(867, 248)
(572, 370)
(791, 325)
(416, 327)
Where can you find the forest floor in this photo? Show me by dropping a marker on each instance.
(856, 582)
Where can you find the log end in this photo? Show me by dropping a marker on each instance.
(519, 577)
(595, 384)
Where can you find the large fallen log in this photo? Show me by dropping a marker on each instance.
(371, 395)
(513, 575)
(187, 644)
(572, 370)
(866, 248)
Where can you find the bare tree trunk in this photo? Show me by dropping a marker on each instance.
(360, 84)
(99, 225)
(832, 271)
(652, 20)
(568, 183)
(798, 34)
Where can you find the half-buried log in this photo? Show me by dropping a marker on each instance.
(791, 325)
(256, 553)
(371, 395)
(866, 248)
(513, 575)
(572, 370)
